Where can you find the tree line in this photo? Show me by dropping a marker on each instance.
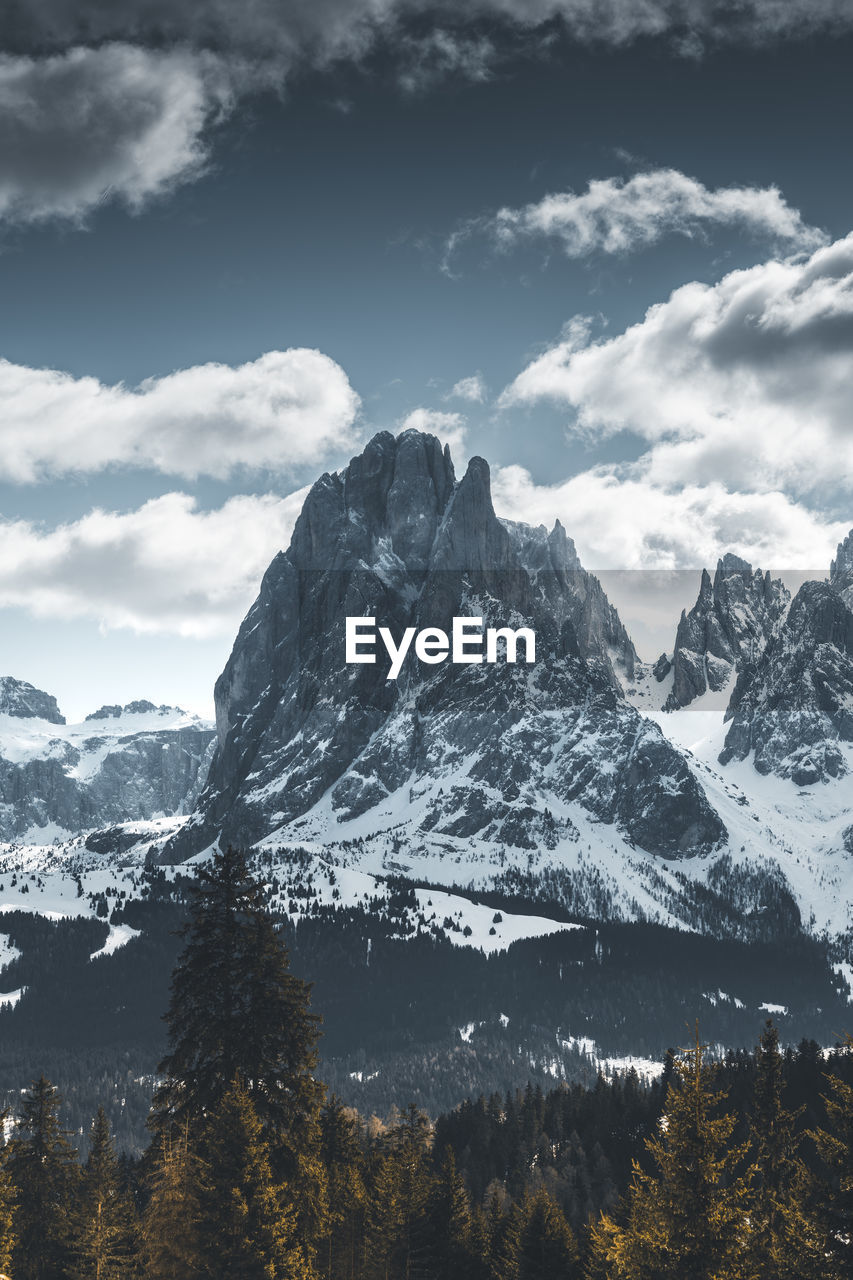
(721, 1169)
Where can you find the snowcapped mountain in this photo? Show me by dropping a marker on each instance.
(120, 764)
(793, 708)
(522, 757)
(561, 779)
(728, 628)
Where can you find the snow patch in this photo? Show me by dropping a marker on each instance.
(118, 936)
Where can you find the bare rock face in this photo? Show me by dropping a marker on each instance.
(727, 629)
(841, 570)
(395, 537)
(794, 708)
(17, 698)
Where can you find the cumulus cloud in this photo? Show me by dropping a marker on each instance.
(473, 388)
(449, 427)
(116, 122)
(120, 568)
(620, 519)
(615, 215)
(284, 409)
(745, 382)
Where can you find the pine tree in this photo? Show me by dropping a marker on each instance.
(783, 1245)
(397, 1233)
(505, 1245)
(104, 1235)
(8, 1212)
(43, 1170)
(171, 1235)
(450, 1226)
(236, 1010)
(246, 1229)
(688, 1219)
(832, 1199)
(547, 1248)
(344, 1164)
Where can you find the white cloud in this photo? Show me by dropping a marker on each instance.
(473, 388)
(744, 383)
(114, 122)
(449, 427)
(284, 409)
(615, 215)
(620, 519)
(122, 569)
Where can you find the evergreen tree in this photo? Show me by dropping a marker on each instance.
(104, 1235)
(397, 1230)
(43, 1170)
(505, 1243)
(547, 1248)
(343, 1161)
(8, 1213)
(450, 1226)
(783, 1245)
(832, 1197)
(246, 1229)
(236, 1010)
(171, 1235)
(688, 1219)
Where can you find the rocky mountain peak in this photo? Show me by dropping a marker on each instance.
(728, 628)
(841, 570)
(18, 698)
(794, 707)
(395, 537)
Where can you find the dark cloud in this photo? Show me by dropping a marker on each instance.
(320, 30)
(116, 121)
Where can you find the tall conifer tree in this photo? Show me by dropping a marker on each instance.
(247, 1231)
(43, 1169)
(450, 1224)
(688, 1219)
(832, 1198)
(171, 1224)
(344, 1164)
(104, 1234)
(236, 1011)
(547, 1246)
(7, 1205)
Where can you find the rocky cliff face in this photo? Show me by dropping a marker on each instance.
(841, 570)
(504, 753)
(25, 702)
(794, 708)
(123, 763)
(727, 629)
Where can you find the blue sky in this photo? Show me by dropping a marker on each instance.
(614, 263)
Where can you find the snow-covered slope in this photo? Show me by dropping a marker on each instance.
(118, 764)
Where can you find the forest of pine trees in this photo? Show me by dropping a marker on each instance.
(736, 1168)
